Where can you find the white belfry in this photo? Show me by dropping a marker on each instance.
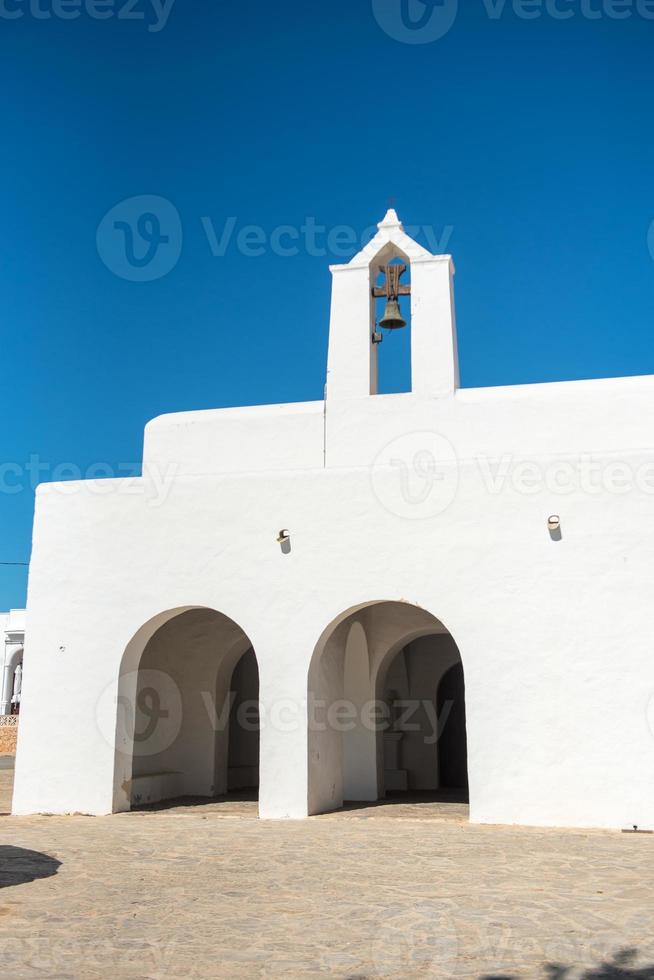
(352, 364)
(445, 591)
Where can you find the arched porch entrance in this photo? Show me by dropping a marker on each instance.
(187, 711)
(12, 680)
(386, 709)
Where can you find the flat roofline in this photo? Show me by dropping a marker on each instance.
(274, 409)
(472, 394)
(631, 380)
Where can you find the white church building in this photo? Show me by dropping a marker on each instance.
(445, 592)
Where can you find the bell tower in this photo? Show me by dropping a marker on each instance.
(353, 353)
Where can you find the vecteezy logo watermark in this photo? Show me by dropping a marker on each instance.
(415, 21)
(426, 21)
(309, 238)
(60, 953)
(152, 482)
(140, 239)
(416, 475)
(143, 710)
(418, 940)
(145, 714)
(564, 476)
(650, 240)
(154, 13)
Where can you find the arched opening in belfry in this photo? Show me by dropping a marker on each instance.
(386, 712)
(187, 725)
(392, 324)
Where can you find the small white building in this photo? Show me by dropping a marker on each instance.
(12, 629)
(421, 592)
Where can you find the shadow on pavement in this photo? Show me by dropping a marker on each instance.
(198, 802)
(445, 796)
(621, 967)
(19, 865)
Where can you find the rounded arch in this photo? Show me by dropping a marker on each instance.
(340, 618)
(15, 658)
(172, 706)
(347, 720)
(387, 656)
(363, 607)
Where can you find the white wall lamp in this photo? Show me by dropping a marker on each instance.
(554, 527)
(284, 541)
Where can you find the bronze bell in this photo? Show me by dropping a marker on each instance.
(392, 319)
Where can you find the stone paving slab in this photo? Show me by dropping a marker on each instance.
(6, 786)
(188, 893)
(233, 807)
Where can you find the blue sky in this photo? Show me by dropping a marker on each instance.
(525, 144)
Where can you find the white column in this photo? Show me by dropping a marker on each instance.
(352, 360)
(359, 743)
(434, 357)
(283, 766)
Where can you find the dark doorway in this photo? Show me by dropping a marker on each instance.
(243, 751)
(453, 743)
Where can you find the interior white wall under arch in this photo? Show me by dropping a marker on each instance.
(415, 673)
(195, 650)
(349, 667)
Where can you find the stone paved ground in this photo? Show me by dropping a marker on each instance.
(372, 893)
